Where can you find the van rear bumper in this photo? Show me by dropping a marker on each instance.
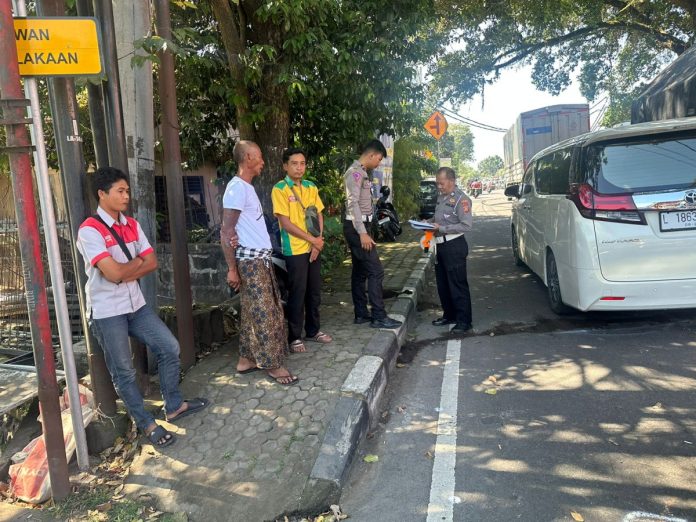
(641, 295)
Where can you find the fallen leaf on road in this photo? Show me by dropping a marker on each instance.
(429, 454)
(401, 409)
(492, 379)
(370, 458)
(613, 442)
(400, 365)
(500, 447)
(492, 334)
(577, 516)
(491, 391)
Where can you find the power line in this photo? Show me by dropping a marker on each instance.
(469, 121)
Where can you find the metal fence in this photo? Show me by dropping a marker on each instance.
(15, 335)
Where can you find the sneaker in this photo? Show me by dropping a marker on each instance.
(360, 319)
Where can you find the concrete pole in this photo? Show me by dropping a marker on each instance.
(116, 141)
(132, 21)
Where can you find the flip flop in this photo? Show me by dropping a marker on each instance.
(194, 406)
(249, 370)
(295, 379)
(159, 434)
(321, 337)
(297, 346)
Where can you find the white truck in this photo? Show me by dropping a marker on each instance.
(535, 130)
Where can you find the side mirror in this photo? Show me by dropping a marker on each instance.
(513, 191)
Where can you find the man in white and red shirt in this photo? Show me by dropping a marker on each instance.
(117, 254)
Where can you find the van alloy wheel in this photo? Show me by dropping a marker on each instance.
(554, 287)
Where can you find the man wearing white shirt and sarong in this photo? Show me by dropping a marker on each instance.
(263, 343)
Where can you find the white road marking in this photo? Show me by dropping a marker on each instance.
(642, 516)
(442, 499)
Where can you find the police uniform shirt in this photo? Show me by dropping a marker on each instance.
(358, 196)
(453, 213)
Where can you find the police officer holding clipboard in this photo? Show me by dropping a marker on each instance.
(451, 220)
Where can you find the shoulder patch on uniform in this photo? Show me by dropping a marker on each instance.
(356, 175)
(466, 206)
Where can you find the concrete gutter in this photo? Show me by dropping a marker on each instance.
(357, 410)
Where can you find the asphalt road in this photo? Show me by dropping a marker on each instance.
(533, 417)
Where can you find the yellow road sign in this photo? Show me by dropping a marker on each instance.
(57, 46)
(436, 125)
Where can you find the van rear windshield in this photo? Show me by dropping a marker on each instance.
(644, 166)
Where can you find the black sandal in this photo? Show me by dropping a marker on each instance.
(161, 437)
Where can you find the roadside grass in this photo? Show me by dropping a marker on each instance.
(100, 504)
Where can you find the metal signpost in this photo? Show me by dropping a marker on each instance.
(56, 47)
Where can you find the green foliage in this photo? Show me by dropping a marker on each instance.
(408, 169)
(335, 248)
(614, 45)
(347, 69)
(458, 144)
(490, 166)
(466, 173)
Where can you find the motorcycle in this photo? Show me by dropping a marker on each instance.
(385, 219)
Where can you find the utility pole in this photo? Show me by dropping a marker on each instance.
(171, 164)
(64, 111)
(116, 141)
(96, 103)
(18, 150)
(132, 20)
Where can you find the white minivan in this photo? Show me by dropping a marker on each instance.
(608, 219)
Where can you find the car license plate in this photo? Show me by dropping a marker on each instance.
(679, 220)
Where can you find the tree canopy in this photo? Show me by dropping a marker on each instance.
(490, 166)
(458, 144)
(321, 74)
(614, 45)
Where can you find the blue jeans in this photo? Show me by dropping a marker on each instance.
(146, 326)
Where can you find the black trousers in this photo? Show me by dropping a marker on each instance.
(366, 267)
(452, 284)
(304, 295)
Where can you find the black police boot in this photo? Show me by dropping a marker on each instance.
(442, 321)
(462, 328)
(387, 322)
(360, 319)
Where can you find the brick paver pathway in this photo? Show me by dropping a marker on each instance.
(248, 456)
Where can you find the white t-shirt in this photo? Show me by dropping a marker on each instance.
(251, 227)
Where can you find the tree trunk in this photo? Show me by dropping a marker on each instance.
(273, 136)
(232, 24)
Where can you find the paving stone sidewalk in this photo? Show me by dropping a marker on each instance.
(249, 455)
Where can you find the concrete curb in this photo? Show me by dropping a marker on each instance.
(357, 410)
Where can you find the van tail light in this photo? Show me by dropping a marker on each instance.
(612, 298)
(615, 207)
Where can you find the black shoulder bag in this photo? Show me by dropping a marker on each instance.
(118, 238)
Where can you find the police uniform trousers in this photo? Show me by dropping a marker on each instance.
(452, 283)
(366, 266)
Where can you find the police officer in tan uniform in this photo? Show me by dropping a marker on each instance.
(363, 250)
(451, 220)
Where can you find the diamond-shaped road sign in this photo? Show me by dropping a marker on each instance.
(436, 125)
